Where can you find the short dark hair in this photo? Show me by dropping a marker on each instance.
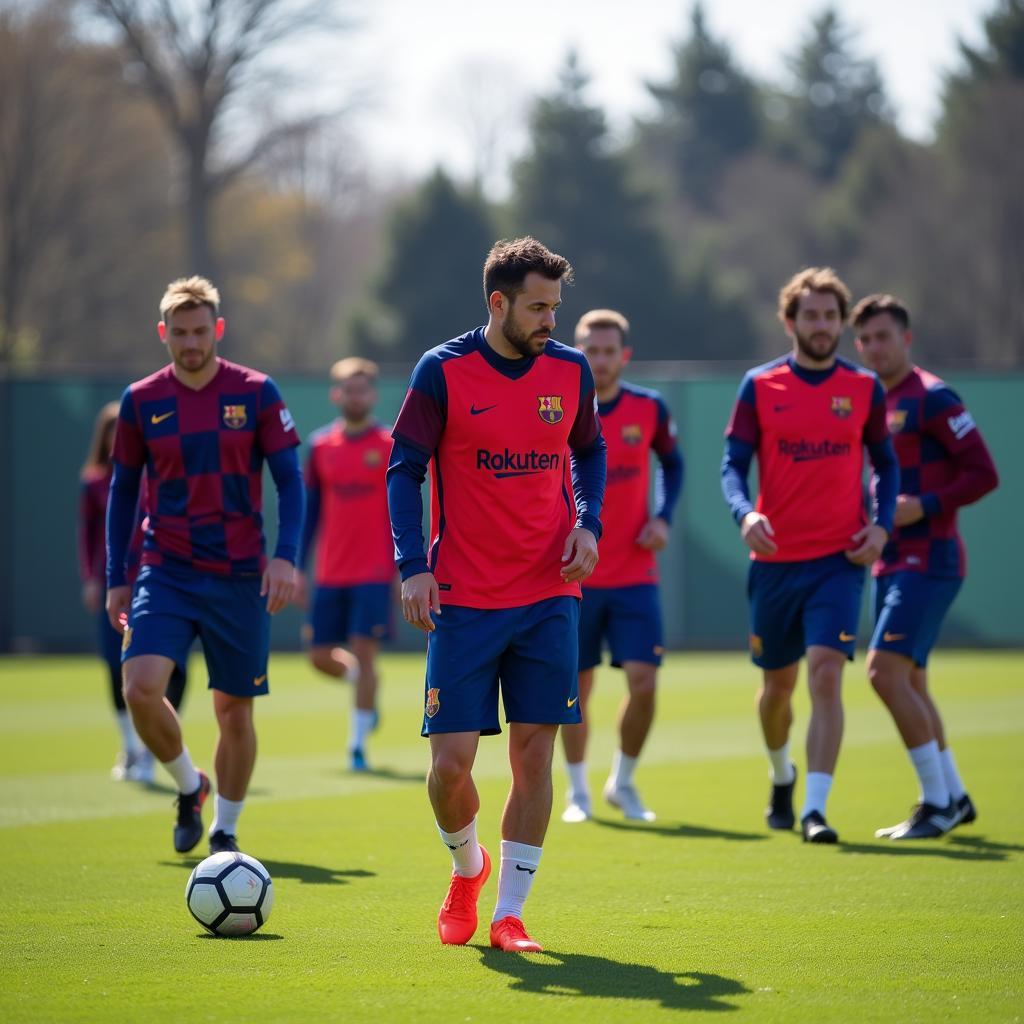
(873, 305)
(510, 260)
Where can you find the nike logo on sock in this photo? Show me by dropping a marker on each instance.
(519, 867)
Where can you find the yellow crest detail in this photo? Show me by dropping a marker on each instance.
(756, 646)
(126, 640)
(632, 434)
(235, 416)
(842, 406)
(433, 702)
(372, 458)
(897, 420)
(550, 408)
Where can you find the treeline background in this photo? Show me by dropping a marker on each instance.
(145, 139)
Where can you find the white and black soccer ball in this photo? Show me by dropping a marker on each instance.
(230, 894)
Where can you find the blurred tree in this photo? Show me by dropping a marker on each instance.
(708, 113)
(198, 62)
(431, 286)
(835, 97)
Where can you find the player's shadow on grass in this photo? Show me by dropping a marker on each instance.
(387, 774)
(680, 831)
(596, 977)
(978, 849)
(310, 874)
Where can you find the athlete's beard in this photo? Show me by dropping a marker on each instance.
(525, 344)
(180, 362)
(805, 344)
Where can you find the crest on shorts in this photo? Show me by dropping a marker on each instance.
(756, 646)
(633, 434)
(550, 408)
(897, 420)
(842, 406)
(235, 416)
(372, 457)
(126, 640)
(433, 702)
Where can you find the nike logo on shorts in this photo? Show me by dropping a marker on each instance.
(569, 703)
(891, 638)
(846, 637)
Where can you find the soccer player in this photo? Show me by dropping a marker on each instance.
(808, 416)
(202, 428)
(506, 418)
(620, 598)
(944, 464)
(135, 762)
(347, 511)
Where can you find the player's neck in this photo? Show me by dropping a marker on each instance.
(806, 362)
(198, 379)
(356, 427)
(897, 378)
(496, 340)
(609, 393)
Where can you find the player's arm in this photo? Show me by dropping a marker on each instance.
(310, 522)
(90, 537)
(129, 459)
(952, 426)
(668, 483)
(742, 434)
(588, 466)
(417, 433)
(870, 539)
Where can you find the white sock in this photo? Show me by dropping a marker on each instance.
(928, 766)
(817, 786)
(467, 857)
(954, 783)
(518, 866)
(226, 817)
(623, 767)
(183, 771)
(130, 741)
(578, 778)
(362, 726)
(782, 767)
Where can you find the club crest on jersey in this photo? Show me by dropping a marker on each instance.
(433, 702)
(235, 416)
(632, 434)
(550, 408)
(897, 420)
(842, 406)
(756, 645)
(372, 457)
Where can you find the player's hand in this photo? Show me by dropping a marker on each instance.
(300, 597)
(118, 601)
(92, 595)
(654, 535)
(908, 510)
(278, 584)
(420, 597)
(757, 534)
(581, 548)
(870, 540)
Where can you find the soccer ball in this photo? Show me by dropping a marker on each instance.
(230, 894)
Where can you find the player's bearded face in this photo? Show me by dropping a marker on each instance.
(817, 326)
(526, 339)
(818, 343)
(191, 339)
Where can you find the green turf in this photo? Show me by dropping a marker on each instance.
(701, 911)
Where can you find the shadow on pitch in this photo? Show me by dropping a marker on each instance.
(310, 874)
(967, 849)
(258, 937)
(387, 774)
(680, 831)
(596, 977)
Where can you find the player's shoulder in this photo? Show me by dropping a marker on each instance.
(641, 393)
(776, 367)
(848, 368)
(937, 394)
(564, 353)
(324, 435)
(235, 374)
(152, 385)
(428, 374)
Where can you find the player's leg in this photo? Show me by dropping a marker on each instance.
(539, 681)
(234, 760)
(131, 746)
(635, 637)
(775, 712)
(369, 621)
(591, 633)
(461, 704)
(329, 622)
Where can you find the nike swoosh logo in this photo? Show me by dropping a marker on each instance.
(259, 680)
(474, 411)
(782, 408)
(519, 867)
(847, 637)
(891, 638)
(154, 419)
(569, 703)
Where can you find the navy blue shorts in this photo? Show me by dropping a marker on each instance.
(342, 612)
(796, 605)
(170, 608)
(629, 618)
(531, 651)
(909, 608)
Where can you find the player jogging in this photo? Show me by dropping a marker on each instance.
(347, 513)
(944, 464)
(506, 418)
(202, 428)
(808, 416)
(620, 598)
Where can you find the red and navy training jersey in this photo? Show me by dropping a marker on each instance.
(809, 429)
(945, 462)
(348, 474)
(499, 440)
(92, 517)
(635, 423)
(203, 452)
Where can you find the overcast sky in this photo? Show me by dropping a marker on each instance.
(441, 77)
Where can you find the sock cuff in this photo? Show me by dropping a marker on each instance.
(521, 852)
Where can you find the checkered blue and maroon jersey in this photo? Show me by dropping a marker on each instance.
(945, 462)
(92, 515)
(203, 452)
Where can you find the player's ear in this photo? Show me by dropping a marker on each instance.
(219, 328)
(496, 302)
(335, 394)
(908, 337)
(627, 354)
(161, 329)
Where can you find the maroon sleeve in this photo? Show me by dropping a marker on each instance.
(276, 429)
(129, 443)
(90, 533)
(743, 424)
(954, 429)
(586, 428)
(876, 426)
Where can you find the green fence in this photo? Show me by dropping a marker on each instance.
(45, 427)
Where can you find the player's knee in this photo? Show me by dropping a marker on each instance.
(451, 769)
(235, 717)
(321, 658)
(643, 681)
(139, 690)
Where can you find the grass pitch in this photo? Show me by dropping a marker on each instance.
(701, 911)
